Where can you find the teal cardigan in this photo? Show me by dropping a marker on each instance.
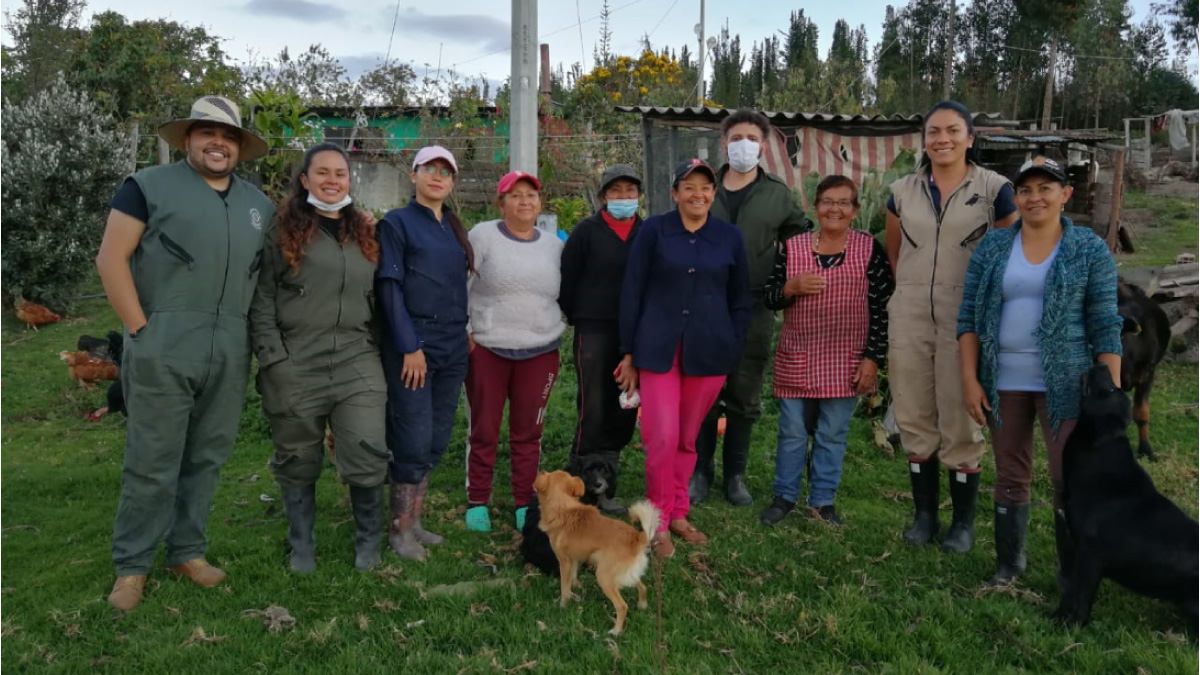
(1079, 314)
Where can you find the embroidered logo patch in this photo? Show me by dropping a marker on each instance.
(255, 219)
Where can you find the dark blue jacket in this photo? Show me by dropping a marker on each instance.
(422, 277)
(686, 287)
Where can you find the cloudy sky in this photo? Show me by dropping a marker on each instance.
(472, 36)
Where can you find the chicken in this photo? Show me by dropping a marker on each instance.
(116, 403)
(86, 369)
(34, 315)
(108, 348)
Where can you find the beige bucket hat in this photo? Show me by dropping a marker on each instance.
(219, 110)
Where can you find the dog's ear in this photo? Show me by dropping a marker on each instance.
(575, 486)
(539, 483)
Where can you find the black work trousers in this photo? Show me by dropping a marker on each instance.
(603, 428)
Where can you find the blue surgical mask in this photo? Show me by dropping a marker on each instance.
(622, 209)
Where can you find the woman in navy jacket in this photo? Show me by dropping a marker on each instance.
(422, 287)
(685, 308)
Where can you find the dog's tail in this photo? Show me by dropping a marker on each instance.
(645, 514)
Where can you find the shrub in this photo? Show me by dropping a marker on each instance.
(63, 160)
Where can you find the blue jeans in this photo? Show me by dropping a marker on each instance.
(829, 448)
(421, 421)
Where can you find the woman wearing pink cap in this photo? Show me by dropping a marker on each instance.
(516, 327)
(422, 287)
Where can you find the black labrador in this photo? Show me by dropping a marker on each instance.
(1120, 526)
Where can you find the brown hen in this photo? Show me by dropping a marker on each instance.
(87, 370)
(34, 315)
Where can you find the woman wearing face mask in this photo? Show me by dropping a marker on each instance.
(936, 217)
(593, 266)
(1039, 308)
(685, 308)
(833, 287)
(422, 287)
(312, 323)
(516, 327)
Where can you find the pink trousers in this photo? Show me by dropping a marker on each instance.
(673, 406)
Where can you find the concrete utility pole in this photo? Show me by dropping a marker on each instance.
(700, 70)
(522, 145)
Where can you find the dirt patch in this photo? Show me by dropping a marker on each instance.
(1172, 187)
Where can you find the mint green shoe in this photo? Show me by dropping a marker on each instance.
(521, 518)
(478, 519)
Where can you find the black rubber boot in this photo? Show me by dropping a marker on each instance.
(300, 506)
(925, 479)
(1012, 523)
(706, 449)
(367, 505)
(1065, 546)
(964, 493)
(736, 453)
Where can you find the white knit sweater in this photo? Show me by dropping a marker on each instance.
(513, 295)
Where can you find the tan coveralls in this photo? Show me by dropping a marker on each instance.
(923, 368)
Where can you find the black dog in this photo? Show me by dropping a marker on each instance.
(1144, 340)
(597, 478)
(1118, 525)
(535, 545)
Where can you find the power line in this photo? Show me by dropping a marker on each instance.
(582, 52)
(661, 19)
(391, 35)
(1075, 56)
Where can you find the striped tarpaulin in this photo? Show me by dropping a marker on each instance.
(828, 153)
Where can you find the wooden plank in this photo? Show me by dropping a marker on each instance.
(1114, 216)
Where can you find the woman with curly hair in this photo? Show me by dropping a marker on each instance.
(312, 322)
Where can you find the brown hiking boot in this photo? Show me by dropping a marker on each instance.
(127, 592)
(200, 572)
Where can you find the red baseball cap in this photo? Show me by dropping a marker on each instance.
(512, 178)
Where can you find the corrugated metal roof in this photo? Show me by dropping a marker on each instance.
(709, 113)
(1055, 136)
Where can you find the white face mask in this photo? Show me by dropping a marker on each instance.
(336, 206)
(743, 155)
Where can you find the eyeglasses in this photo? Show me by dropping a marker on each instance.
(841, 204)
(432, 170)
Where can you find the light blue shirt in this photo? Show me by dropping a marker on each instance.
(1019, 362)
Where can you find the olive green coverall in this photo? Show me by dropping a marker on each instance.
(185, 373)
(315, 337)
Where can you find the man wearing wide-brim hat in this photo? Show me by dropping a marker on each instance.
(179, 262)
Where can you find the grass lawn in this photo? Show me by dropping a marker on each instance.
(802, 597)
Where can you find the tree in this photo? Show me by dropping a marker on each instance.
(1057, 19)
(388, 84)
(1184, 17)
(1103, 83)
(44, 33)
(727, 63)
(62, 159)
(151, 69)
(315, 76)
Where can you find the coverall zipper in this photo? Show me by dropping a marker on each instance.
(937, 236)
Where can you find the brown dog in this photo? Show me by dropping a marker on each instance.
(579, 533)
